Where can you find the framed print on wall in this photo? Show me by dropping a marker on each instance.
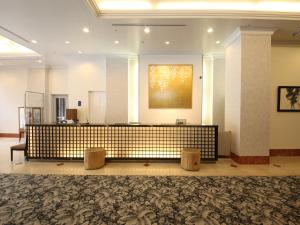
(288, 99)
(170, 86)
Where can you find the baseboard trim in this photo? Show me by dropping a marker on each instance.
(284, 152)
(224, 156)
(9, 135)
(250, 159)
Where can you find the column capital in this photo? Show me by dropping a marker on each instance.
(247, 31)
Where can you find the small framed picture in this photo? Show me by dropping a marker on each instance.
(288, 99)
(180, 121)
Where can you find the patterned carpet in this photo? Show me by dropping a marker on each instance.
(130, 200)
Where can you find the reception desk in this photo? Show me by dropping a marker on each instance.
(121, 141)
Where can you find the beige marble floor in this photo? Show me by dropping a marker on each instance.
(279, 166)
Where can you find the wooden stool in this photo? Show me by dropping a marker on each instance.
(94, 158)
(190, 159)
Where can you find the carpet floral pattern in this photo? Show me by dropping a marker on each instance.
(145, 200)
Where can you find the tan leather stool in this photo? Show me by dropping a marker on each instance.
(94, 158)
(190, 159)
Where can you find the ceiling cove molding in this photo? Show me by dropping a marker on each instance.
(233, 14)
(218, 55)
(294, 43)
(247, 31)
(232, 37)
(19, 58)
(214, 56)
(185, 14)
(94, 7)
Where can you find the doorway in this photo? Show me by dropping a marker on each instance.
(59, 103)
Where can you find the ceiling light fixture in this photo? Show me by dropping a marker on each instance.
(218, 42)
(210, 30)
(147, 30)
(86, 30)
(167, 42)
(33, 41)
(67, 42)
(117, 42)
(79, 52)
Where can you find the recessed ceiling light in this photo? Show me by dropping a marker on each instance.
(67, 42)
(117, 42)
(147, 30)
(33, 41)
(39, 61)
(218, 42)
(79, 52)
(167, 42)
(210, 30)
(86, 30)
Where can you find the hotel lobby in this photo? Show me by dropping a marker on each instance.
(150, 112)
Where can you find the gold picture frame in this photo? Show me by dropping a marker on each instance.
(170, 86)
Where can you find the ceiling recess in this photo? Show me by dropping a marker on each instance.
(147, 25)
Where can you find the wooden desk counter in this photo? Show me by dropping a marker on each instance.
(121, 141)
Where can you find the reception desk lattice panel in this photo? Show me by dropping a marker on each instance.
(120, 142)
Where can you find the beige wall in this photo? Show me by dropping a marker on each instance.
(58, 80)
(36, 80)
(14, 82)
(285, 126)
(117, 90)
(86, 73)
(170, 115)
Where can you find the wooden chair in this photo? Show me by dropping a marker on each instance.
(21, 133)
(19, 147)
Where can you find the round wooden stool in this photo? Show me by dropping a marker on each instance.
(94, 158)
(190, 159)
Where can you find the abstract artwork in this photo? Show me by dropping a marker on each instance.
(170, 86)
(288, 99)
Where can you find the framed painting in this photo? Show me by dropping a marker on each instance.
(288, 99)
(170, 86)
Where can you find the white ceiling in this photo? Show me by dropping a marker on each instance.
(52, 22)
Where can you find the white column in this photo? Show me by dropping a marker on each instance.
(247, 91)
